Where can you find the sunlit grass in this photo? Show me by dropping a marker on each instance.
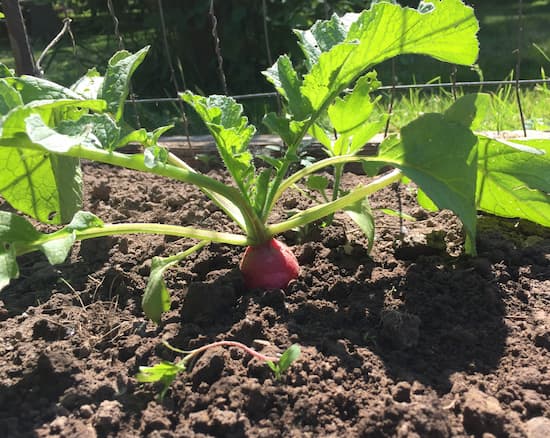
(503, 115)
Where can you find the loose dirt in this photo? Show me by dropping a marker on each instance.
(414, 340)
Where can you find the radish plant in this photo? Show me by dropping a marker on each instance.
(46, 129)
(166, 372)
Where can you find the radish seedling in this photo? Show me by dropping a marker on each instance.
(46, 129)
(166, 371)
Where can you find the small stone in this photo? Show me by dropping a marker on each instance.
(108, 416)
(542, 337)
(482, 413)
(86, 411)
(538, 427)
(208, 368)
(402, 392)
(47, 330)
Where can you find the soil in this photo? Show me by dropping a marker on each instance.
(413, 340)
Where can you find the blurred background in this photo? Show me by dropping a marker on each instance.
(252, 34)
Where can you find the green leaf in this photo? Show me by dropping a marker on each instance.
(288, 130)
(5, 72)
(286, 81)
(17, 235)
(8, 265)
(317, 182)
(154, 136)
(58, 245)
(95, 130)
(290, 355)
(322, 37)
(10, 98)
(154, 156)
(232, 133)
(116, 83)
(158, 372)
(164, 372)
(53, 141)
(14, 230)
(349, 113)
(469, 110)
(438, 154)
(44, 186)
(137, 136)
(513, 178)
(89, 85)
(156, 299)
(361, 214)
(32, 88)
(13, 123)
(447, 32)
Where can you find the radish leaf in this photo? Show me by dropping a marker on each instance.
(438, 155)
(513, 179)
(382, 32)
(116, 83)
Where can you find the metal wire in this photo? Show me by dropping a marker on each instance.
(521, 82)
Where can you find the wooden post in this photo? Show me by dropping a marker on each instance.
(19, 40)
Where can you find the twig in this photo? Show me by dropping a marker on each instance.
(66, 28)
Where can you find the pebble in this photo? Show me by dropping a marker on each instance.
(482, 413)
(402, 392)
(86, 411)
(538, 427)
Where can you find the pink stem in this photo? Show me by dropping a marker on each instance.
(249, 350)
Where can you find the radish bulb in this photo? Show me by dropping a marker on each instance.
(270, 265)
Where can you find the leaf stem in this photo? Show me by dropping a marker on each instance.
(319, 211)
(302, 173)
(141, 228)
(192, 353)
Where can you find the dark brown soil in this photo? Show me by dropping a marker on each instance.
(415, 341)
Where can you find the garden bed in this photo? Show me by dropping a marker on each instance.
(414, 340)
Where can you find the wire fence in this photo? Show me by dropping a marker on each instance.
(389, 90)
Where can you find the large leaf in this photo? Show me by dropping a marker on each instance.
(13, 123)
(116, 83)
(32, 88)
(513, 179)
(9, 97)
(447, 32)
(18, 236)
(42, 185)
(438, 154)
(98, 130)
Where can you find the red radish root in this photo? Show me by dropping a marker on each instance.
(270, 265)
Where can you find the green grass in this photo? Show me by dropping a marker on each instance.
(502, 116)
